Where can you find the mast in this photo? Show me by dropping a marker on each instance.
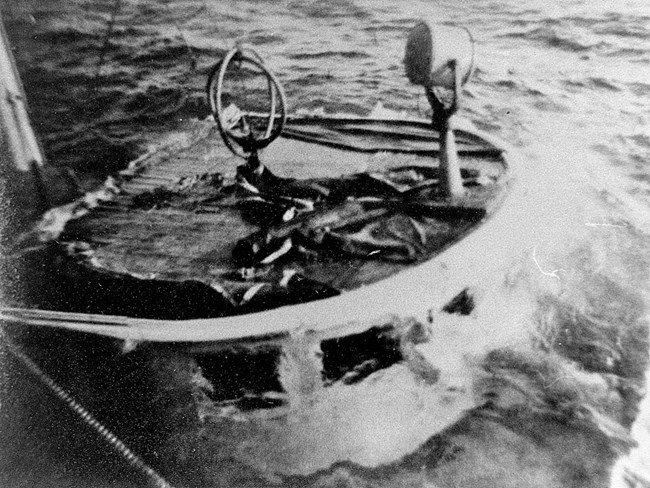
(21, 157)
(19, 143)
(24, 192)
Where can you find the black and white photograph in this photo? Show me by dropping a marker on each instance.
(324, 244)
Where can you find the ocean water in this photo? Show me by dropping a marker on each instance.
(542, 386)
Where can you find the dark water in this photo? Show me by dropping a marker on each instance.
(539, 387)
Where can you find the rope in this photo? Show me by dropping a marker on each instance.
(136, 462)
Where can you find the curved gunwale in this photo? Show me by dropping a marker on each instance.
(413, 292)
(425, 126)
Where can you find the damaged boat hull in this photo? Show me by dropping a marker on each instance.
(412, 295)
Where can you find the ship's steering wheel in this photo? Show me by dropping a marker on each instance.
(240, 129)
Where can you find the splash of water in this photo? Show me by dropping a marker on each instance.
(633, 470)
(300, 370)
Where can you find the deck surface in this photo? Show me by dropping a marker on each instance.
(171, 221)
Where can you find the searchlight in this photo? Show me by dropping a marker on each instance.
(441, 58)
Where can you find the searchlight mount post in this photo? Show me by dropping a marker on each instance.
(442, 120)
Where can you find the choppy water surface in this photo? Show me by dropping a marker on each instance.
(540, 386)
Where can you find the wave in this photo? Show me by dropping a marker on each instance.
(594, 83)
(262, 38)
(66, 36)
(625, 31)
(329, 54)
(332, 9)
(560, 40)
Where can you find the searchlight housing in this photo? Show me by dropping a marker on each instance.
(440, 58)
